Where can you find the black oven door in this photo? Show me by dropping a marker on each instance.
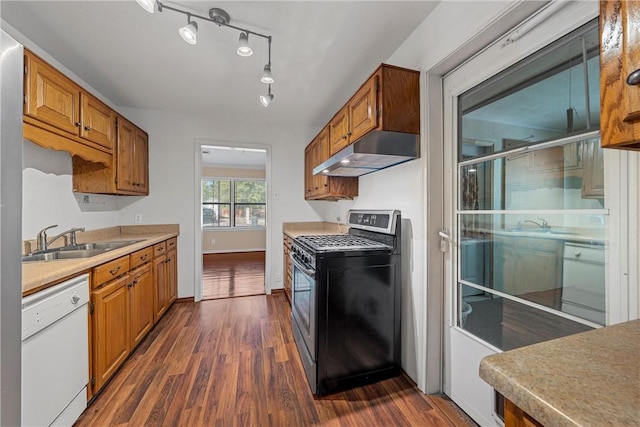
(304, 304)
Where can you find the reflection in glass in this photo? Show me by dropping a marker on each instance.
(557, 260)
(508, 324)
(549, 95)
(554, 178)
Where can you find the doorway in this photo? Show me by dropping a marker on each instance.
(232, 187)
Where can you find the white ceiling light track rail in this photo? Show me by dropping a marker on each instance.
(189, 34)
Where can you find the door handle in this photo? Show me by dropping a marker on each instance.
(445, 238)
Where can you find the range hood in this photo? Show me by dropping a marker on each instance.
(374, 151)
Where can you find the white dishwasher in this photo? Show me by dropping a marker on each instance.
(55, 365)
(583, 281)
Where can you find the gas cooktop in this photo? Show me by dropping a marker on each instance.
(340, 242)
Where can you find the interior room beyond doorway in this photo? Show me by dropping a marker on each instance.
(233, 221)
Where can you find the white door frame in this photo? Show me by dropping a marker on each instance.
(199, 143)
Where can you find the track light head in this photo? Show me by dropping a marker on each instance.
(148, 5)
(189, 32)
(267, 77)
(266, 99)
(244, 49)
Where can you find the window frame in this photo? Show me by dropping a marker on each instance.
(232, 204)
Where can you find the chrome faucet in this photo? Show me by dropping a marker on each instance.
(542, 224)
(43, 243)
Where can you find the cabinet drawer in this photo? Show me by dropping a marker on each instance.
(140, 257)
(112, 269)
(172, 243)
(159, 249)
(584, 253)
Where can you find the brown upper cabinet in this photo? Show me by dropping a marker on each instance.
(110, 154)
(59, 114)
(321, 187)
(128, 171)
(389, 100)
(620, 74)
(132, 158)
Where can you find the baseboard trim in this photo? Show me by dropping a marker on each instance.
(185, 299)
(233, 251)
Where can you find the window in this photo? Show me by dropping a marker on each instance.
(531, 215)
(233, 203)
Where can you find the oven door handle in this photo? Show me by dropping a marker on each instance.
(305, 270)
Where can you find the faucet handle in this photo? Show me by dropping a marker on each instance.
(545, 224)
(42, 238)
(72, 234)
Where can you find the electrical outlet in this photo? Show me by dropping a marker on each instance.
(213, 241)
(137, 218)
(85, 198)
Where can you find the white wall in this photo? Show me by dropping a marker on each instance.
(174, 187)
(48, 199)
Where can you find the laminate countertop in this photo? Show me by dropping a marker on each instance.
(38, 275)
(587, 379)
(295, 229)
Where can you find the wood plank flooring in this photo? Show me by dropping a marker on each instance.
(233, 362)
(235, 274)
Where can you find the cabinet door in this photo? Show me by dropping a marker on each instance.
(338, 131)
(593, 171)
(619, 57)
(363, 110)
(111, 329)
(124, 157)
(141, 303)
(320, 155)
(160, 297)
(50, 96)
(98, 121)
(172, 276)
(308, 172)
(141, 162)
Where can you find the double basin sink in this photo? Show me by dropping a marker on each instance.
(84, 250)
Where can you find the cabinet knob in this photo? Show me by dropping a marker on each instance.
(87, 128)
(78, 124)
(633, 79)
(348, 133)
(344, 136)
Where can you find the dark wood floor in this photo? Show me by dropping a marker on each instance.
(233, 362)
(232, 274)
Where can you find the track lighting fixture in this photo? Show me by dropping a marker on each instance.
(266, 99)
(189, 34)
(148, 5)
(244, 49)
(266, 75)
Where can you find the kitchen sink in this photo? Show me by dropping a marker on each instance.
(103, 246)
(84, 250)
(542, 231)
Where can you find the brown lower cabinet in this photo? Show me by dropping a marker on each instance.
(516, 417)
(287, 275)
(110, 330)
(124, 306)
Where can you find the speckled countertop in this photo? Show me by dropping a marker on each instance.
(41, 274)
(587, 379)
(295, 229)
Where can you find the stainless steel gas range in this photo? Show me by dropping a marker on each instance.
(346, 302)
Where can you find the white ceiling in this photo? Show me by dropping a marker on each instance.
(321, 52)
